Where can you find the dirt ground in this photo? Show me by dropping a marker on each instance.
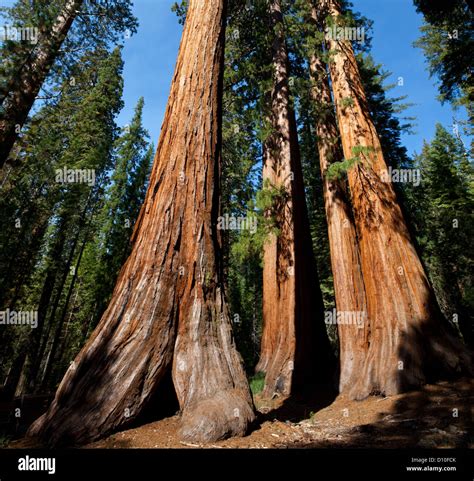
(438, 416)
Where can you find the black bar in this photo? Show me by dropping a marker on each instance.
(223, 464)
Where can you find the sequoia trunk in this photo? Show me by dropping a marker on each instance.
(409, 343)
(345, 258)
(295, 351)
(168, 310)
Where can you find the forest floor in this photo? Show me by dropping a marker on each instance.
(437, 416)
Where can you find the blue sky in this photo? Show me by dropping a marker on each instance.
(150, 57)
(396, 26)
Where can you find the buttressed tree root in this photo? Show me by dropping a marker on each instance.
(168, 310)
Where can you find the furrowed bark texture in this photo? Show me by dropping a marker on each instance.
(295, 350)
(30, 78)
(168, 310)
(345, 258)
(409, 342)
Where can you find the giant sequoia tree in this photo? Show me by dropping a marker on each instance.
(408, 341)
(168, 312)
(349, 287)
(295, 351)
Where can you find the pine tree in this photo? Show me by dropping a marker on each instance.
(240, 181)
(27, 65)
(448, 44)
(86, 146)
(120, 211)
(443, 219)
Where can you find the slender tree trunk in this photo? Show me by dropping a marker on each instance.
(11, 293)
(343, 243)
(295, 350)
(53, 356)
(465, 322)
(14, 375)
(168, 310)
(91, 199)
(33, 374)
(409, 342)
(65, 343)
(29, 80)
(32, 344)
(88, 326)
(30, 348)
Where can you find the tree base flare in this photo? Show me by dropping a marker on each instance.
(226, 415)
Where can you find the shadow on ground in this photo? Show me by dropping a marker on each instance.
(436, 416)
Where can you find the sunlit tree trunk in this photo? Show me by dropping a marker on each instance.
(409, 342)
(168, 310)
(345, 258)
(295, 350)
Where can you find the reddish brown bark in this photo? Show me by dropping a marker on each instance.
(345, 258)
(408, 341)
(168, 310)
(295, 350)
(30, 78)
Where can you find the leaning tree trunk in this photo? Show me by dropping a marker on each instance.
(32, 344)
(168, 310)
(56, 277)
(53, 356)
(295, 350)
(409, 343)
(29, 80)
(343, 243)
